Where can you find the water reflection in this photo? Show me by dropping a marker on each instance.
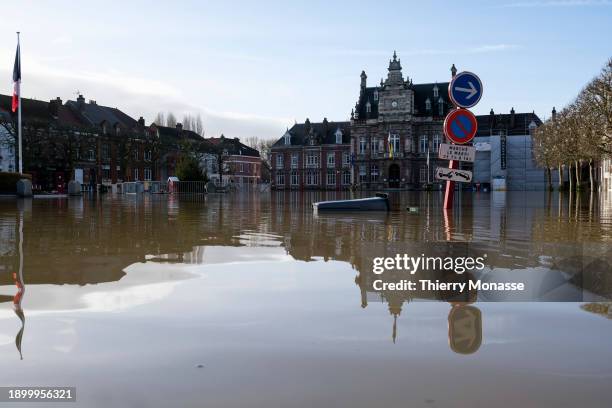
(111, 253)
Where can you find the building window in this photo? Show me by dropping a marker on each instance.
(295, 178)
(331, 159)
(408, 144)
(312, 159)
(280, 179)
(136, 154)
(312, 178)
(363, 177)
(147, 174)
(331, 177)
(362, 145)
(437, 139)
(374, 173)
(408, 175)
(148, 155)
(376, 94)
(106, 172)
(92, 155)
(346, 159)
(440, 107)
(135, 172)
(374, 145)
(368, 107)
(394, 143)
(338, 136)
(241, 167)
(423, 144)
(435, 91)
(427, 104)
(294, 160)
(287, 138)
(346, 177)
(423, 174)
(279, 161)
(105, 151)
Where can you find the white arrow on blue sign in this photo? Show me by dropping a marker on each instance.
(465, 90)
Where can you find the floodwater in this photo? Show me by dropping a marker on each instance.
(251, 300)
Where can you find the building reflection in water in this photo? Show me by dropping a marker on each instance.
(87, 242)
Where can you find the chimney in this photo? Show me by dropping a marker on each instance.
(141, 122)
(492, 119)
(179, 127)
(453, 70)
(554, 113)
(80, 100)
(92, 102)
(54, 105)
(512, 119)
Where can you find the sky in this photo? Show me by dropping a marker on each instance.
(254, 68)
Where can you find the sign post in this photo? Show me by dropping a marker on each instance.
(460, 126)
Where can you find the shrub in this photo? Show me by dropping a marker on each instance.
(8, 181)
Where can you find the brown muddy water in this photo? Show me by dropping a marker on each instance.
(254, 301)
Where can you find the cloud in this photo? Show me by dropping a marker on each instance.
(138, 96)
(558, 3)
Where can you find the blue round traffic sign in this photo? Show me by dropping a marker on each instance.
(460, 126)
(465, 89)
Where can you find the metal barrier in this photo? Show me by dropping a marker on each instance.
(187, 187)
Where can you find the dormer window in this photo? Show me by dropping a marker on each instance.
(435, 91)
(311, 142)
(427, 104)
(376, 94)
(287, 138)
(338, 136)
(440, 106)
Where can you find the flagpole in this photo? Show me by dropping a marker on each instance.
(19, 112)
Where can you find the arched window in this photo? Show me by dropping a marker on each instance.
(435, 90)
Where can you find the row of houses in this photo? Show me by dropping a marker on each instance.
(392, 139)
(97, 144)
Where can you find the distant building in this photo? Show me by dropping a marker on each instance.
(392, 142)
(313, 156)
(241, 163)
(504, 152)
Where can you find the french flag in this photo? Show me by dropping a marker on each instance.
(16, 79)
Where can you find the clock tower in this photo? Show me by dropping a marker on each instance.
(396, 95)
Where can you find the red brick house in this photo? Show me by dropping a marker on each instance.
(313, 156)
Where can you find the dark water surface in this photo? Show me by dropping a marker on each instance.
(253, 301)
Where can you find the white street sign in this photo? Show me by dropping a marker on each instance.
(457, 152)
(462, 176)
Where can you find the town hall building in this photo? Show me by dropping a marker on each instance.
(392, 142)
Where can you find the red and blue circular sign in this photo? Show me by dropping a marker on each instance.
(460, 126)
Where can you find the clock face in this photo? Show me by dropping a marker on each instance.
(394, 104)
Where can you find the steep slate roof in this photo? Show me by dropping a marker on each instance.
(233, 146)
(492, 124)
(33, 110)
(172, 134)
(42, 111)
(94, 114)
(325, 134)
(421, 93)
